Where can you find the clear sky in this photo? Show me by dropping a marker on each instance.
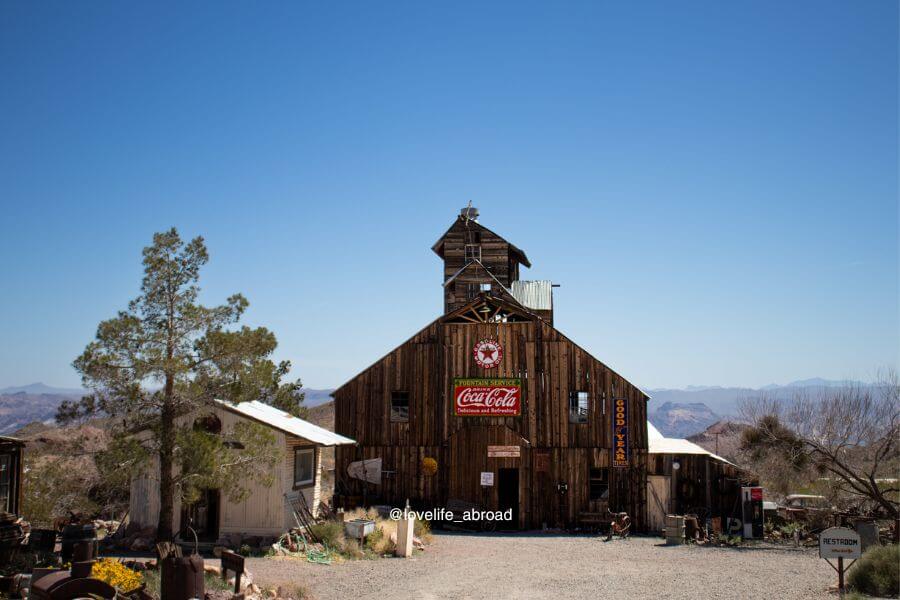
(713, 184)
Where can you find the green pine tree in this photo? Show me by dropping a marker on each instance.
(160, 363)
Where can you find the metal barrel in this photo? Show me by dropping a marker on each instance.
(181, 577)
(84, 536)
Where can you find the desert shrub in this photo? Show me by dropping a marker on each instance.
(330, 532)
(380, 542)
(352, 549)
(877, 573)
(422, 530)
(790, 528)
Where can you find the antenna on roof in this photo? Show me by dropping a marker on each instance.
(469, 213)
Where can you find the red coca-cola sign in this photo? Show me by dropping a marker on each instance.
(487, 397)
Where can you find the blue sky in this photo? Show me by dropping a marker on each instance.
(714, 185)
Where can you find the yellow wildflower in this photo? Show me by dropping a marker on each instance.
(116, 574)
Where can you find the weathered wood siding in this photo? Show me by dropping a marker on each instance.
(549, 365)
(496, 255)
(700, 482)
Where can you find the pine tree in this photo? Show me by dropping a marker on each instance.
(162, 362)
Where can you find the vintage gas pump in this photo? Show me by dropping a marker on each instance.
(752, 512)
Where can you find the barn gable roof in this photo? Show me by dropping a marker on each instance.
(508, 306)
(438, 246)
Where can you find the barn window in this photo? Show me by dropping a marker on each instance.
(579, 405)
(599, 482)
(6, 502)
(399, 407)
(473, 252)
(485, 287)
(209, 423)
(304, 466)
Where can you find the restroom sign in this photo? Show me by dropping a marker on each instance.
(839, 542)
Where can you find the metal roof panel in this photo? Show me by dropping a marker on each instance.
(288, 423)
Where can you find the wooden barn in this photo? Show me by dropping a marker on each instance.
(490, 405)
(684, 478)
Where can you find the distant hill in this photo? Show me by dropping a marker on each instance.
(37, 402)
(40, 388)
(21, 408)
(679, 420)
(722, 438)
(316, 397)
(725, 401)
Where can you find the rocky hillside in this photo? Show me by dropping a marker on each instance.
(722, 438)
(37, 403)
(678, 420)
(21, 408)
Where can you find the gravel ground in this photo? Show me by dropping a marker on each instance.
(495, 566)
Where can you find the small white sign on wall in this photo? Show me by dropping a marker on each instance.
(487, 478)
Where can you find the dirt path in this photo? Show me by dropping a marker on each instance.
(463, 566)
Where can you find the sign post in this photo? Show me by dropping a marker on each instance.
(839, 543)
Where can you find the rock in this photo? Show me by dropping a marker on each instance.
(254, 541)
(253, 589)
(130, 530)
(141, 544)
(212, 570)
(149, 532)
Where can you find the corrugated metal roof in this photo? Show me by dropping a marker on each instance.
(658, 444)
(278, 419)
(537, 295)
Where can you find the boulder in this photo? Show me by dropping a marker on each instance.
(141, 544)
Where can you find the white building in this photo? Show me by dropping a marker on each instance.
(266, 511)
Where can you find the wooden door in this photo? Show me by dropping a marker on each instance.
(658, 488)
(508, 496)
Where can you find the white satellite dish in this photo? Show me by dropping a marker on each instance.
(367, 470)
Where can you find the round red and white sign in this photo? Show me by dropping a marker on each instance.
(488, 353)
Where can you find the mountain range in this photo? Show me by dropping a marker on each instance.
(37, 402)
(675, 412)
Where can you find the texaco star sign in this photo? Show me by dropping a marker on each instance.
(488, 353)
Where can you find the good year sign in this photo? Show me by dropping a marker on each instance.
(487, 397)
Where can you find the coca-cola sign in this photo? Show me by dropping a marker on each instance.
(487, 397)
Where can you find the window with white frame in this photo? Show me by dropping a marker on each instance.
(304, 466)
(579, 407)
